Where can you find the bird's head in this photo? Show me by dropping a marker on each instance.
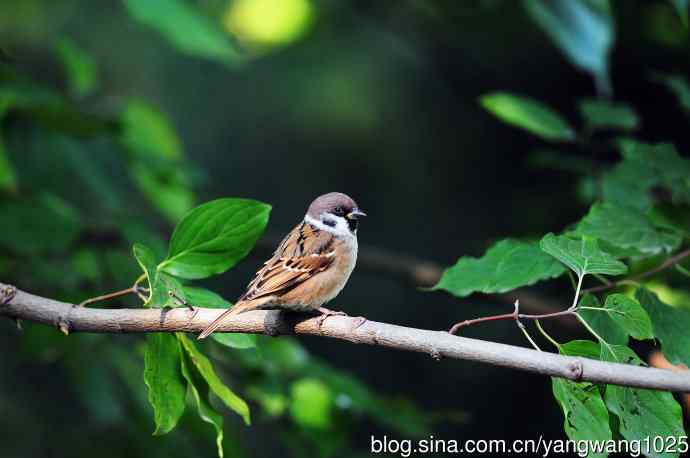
(336, 212)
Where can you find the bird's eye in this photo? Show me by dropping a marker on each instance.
(339, 211)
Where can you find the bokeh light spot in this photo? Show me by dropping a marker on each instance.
(268, 23)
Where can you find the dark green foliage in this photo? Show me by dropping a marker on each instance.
(528, 114)
(641, 413)
(584, 412)
(185, 28)
(628, 230)
(507, 265)
(603, 115)
(670, 326)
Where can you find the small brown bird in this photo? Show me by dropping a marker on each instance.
(310, 266)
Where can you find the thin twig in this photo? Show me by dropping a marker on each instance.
(435, 343)
(511, 316)
(105, 297)
(522, 327)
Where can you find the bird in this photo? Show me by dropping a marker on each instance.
(310, 266)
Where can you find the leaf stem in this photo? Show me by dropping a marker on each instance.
(547, 336)
(577, 291)
(524, 331)
(593, 332)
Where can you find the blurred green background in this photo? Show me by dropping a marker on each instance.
(117, 117)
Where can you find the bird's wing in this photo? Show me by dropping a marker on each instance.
(305, 252)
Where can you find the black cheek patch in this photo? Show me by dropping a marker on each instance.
(352, 223)
(329, 222)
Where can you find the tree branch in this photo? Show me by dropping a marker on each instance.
(70, 318)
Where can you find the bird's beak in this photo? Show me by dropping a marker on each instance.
(356, 213)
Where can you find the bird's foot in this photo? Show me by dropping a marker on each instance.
(325, 313)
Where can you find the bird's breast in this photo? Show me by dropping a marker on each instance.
(346, 258)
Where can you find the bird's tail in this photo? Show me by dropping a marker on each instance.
(236, 310)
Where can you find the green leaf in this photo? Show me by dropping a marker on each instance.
(646, 166)
(185, 28)
(8, 179)
(163, 378)
(215, 236)
(174, 291)
(312, 403)
(582, 256)
(528, 114)
(158, 295)
(200, 392)
(668, 167)
(628, 184)
(627, 228)
(507, 265)
(167, 190)
(24, 229)
(670, 325)
(582, 29)
(628, 313)
(200, 297)
(677, 84)
(79, 67)
(641, 413)
(156, 154)
(147, 130)
(584, 348)
(202, 364)
(601, 321)
(602, 114)
(585, 415)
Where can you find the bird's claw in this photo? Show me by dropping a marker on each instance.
(325, 313)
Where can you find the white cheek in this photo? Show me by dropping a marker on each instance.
(341, 226)
(340, 229)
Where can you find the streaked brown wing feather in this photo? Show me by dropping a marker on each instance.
(305, 252)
